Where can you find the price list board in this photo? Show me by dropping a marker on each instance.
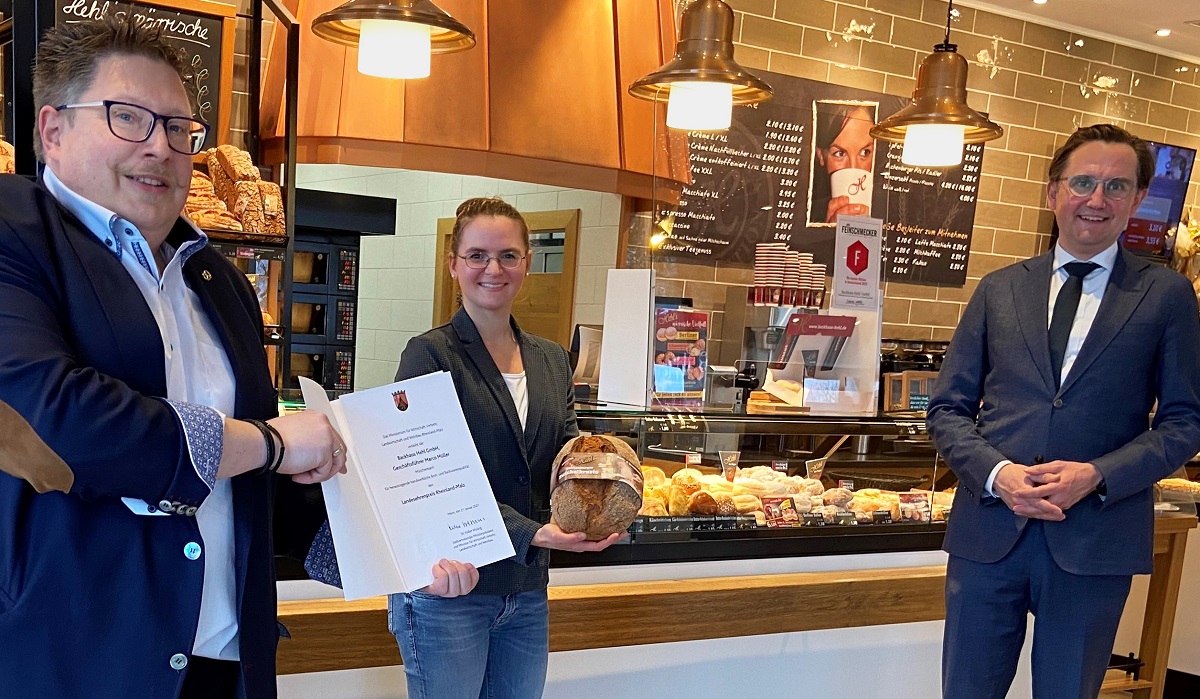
(930, 213)
(788, 166)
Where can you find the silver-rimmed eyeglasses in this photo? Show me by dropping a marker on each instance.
(134, 123)
(1115, 188)
(479, 260)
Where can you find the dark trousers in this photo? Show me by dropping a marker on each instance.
(1075, 623)
(206, 678)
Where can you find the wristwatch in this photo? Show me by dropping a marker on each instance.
(1102, 488)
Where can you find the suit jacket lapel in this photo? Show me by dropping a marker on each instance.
(477, 352)
(134, 330)
(1126, 289)
(537, 383)
(1030, 293)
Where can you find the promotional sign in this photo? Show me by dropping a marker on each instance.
(856, 271)
(680, 355)
(788, 167)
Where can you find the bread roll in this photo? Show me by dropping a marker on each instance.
(701, 503)
(838, 497)
(725, 504)
(653, 508)
(746, 504)
(683, 485)
(597, 505)
(652, 477)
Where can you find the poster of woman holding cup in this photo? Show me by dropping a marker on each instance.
(843, 160)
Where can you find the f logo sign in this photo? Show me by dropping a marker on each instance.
(857, 256)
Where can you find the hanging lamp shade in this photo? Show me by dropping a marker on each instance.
(343, 24)
(940, 98)
(704, 54)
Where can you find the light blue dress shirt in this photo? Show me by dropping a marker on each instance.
(200, 388)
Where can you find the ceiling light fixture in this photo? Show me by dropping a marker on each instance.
(702, 82)
(1040, 2)
(1163, 32)
(938, 122)
(394, 38)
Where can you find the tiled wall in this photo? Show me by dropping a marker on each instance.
(396, 294)
(1040, 83)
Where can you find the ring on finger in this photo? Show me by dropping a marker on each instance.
(337, 452)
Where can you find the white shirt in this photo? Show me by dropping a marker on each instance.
(1094, 285)
(520, 394)
(197, 374)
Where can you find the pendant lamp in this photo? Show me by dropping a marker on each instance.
(394, 37)
(702, 82)
(939, 121)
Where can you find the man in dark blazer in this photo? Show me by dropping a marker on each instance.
(1042, 409)
(135, 507)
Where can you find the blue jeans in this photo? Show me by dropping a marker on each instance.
(474, 646)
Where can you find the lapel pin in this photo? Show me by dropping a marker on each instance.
(206, 275)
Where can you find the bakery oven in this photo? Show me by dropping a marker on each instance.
(323, 319)
(325, 267)
(332, 366)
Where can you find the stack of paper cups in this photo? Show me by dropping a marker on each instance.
(791, 280)
(770, 264)
(818, 285)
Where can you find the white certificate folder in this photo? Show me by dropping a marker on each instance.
(415, 491)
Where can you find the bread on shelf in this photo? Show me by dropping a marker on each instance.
(8, 158)
(236, 163)
(204, 208)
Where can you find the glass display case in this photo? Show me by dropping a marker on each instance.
(799, 485)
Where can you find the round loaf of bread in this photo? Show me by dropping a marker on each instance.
(598, 507)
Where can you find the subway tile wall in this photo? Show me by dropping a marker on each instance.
(396, 291)
(1039, 82)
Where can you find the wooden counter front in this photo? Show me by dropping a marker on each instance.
(337, 635)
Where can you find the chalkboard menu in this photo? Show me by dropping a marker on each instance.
(199, 34)
(787, 167)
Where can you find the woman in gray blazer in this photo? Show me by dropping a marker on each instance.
(515, 389)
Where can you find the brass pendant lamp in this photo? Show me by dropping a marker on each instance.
(939, 121)
(702, 82)
(394, 37)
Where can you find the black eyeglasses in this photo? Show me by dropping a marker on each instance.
(135, 123)
(1115, 188)
(478, 260)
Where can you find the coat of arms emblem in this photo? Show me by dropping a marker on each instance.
(400, 400)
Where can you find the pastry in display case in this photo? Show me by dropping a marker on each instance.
(720, 485)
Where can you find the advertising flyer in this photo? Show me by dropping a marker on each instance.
(680, 355)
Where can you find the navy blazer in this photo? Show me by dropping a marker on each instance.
(95, 600)
(995, 399)
(517, 460)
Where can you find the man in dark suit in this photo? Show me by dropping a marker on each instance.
(1042, 410)
(135, 499)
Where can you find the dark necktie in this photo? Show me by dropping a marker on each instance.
(1064, 313)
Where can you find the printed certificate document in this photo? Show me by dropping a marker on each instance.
(415, 491)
